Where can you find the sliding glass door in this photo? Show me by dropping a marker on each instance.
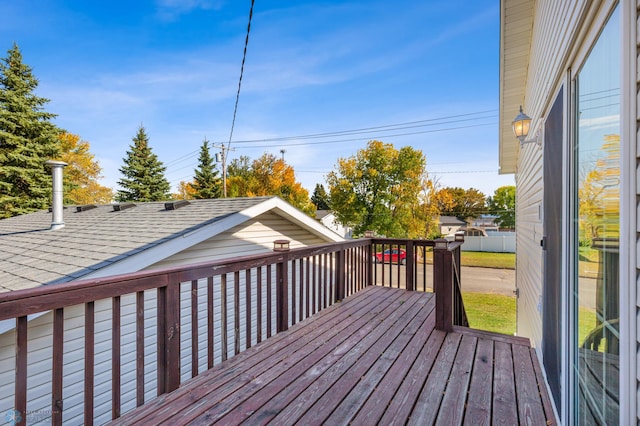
(597, 230)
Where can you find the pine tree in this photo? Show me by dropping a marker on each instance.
(320, 198)
(143, 173)
(28, 139)
(206, 182)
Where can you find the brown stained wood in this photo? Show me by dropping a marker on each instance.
(293, 292)
(20, 397)
(496, 337)
(248, 307)
(324, 281)
(530, 409)
(308, 287)
(336, 360)
(425, 410)
(236, 312)
(376, 403)
(194, 328)
(282, 296)
(269, 304)
(161, 352)
(542, 389)
(480, 388)
(223, 316)
(505, 410)
(226, 378)
(454, 401)
(314, 285)
(139, 348)
(350, 403)
(332, 289)
(210, 322)
(301, 292)
(332, 358)
(57, 367)
(259, 304)
(115, 357)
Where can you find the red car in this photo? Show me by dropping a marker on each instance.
(391, 256)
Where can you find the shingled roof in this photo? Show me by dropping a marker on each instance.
(94, 238)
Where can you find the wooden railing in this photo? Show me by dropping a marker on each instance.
(181, 321)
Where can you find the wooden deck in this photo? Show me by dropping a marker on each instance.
(374, 358)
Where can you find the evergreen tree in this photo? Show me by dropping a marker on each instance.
(143, 173)
(206, 182)
(28, 139)
(320, 197)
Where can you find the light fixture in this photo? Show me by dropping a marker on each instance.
(521, 126)
(281, 245)
(369, 234)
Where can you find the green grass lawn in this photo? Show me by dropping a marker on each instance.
(491, 312)
(483, 259)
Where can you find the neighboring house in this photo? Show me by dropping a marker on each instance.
(450, 224)
(98, 241)
(573, 67)
(328, 219)
(486, 221)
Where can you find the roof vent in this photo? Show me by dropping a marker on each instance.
(175, 205)
(57, 204)
(122, 206)
(85, 208)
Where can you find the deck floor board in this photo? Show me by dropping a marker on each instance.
(373, 358)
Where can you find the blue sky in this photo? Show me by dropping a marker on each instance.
(312, 67)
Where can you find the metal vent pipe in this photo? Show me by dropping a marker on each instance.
(57, 206)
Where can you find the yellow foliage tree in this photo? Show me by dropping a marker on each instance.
(186, 191)
(82, 173)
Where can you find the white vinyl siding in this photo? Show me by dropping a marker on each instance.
(252, 237)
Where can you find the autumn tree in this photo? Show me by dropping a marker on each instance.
(238, 176)
(186, 191)
(320, 198)
(206, 183)
(143, 173)
(462, 203)
(28, 139)
(82, 173)
(503, 205)
(380, 189)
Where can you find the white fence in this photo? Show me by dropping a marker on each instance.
(502, 242)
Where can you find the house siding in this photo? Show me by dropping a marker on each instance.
(252, 237)
(635, 143)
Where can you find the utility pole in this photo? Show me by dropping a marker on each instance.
(223, 155)
(282, 151)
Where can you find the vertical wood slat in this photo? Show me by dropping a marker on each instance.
(314, 285)
(89, 360)
(139, 348)
(325, 289)
(194, 328)
(259, 304)
(57, 373)
(115, 357)
(332, 289)
(210, 322)
(20, 396)
(223, 315)
(293, 292)
(301, 293)
(340, 290)
(409, 262)
(248, 309)
(269, 307)
(236, 312)
(307, 262)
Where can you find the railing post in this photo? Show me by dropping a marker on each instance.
(409, 262)
(442, 285)
(282, 286)
(169, 337)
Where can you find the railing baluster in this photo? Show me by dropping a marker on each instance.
(21, 370)
(301, 293)
(248, 309)
(236, 312)
(194, 328)
(308, 287)
(269, 308)
(259, 304)
(210, 323)
(139, 348)
(293, 292)
(57, 367)
(223, 315)
(115, 357)
(282, 295)
(409, 262)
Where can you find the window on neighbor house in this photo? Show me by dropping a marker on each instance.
(597, 222)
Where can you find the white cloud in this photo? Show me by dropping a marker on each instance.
(169, 10)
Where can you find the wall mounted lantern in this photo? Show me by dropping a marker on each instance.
(369, 234)
(521, 126)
